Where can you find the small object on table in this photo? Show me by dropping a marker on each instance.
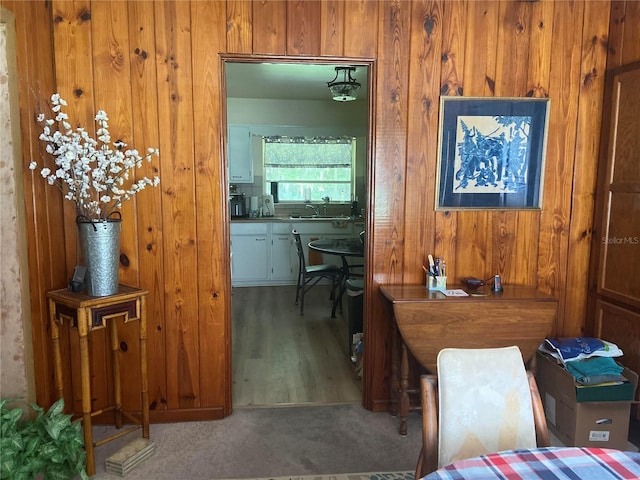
(472, 283)
(497, 284)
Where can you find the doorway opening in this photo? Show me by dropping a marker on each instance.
(280, 357)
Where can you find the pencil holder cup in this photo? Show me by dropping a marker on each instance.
(437, 283)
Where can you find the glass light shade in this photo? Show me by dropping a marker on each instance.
(345, 90)
(342, 92)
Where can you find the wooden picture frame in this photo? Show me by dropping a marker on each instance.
(491, 153)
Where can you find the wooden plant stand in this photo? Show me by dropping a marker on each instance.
(86, 314)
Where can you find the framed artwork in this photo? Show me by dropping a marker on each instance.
(491, 153)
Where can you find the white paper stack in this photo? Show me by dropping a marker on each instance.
(129, 456)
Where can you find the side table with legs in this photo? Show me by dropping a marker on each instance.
(86, 314)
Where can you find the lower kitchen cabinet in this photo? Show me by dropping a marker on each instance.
(282, 268)
(249, 253)
(263, 253)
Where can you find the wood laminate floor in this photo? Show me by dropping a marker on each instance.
(283, 358)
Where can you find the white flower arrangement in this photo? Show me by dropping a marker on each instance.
(92, 173)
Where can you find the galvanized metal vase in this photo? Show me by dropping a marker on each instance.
(100, 244)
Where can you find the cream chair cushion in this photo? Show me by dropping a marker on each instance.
(484, 403)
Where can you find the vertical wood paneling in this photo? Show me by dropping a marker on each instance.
(332, 33)
(452, 58)
(269, 26)
(536, 85)
(594, 60)
(513, 42)
(526, 248)
(473, 247)
(480, 48)
(239, 26)
(303, 27)
(44, 215)
(361, 37)
(564, 91)
(616, 33)
(630, 42)
(144, 112)
(112, 91)
(454, 35)
(422, 135)
(74, 75)
(175, 119)
(624, 44)
(213, 272)
(540, 49)
(503, 237)
(389, 182)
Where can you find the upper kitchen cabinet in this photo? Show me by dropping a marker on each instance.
(239, 154)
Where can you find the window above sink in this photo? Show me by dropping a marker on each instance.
(310, 169)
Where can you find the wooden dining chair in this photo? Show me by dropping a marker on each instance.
(482, 401)
(310, 275)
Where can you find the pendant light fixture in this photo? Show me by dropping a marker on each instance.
(344, 87)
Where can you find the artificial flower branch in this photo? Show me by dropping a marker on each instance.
(89, 172)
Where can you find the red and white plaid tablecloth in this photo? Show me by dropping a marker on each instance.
(553, 463)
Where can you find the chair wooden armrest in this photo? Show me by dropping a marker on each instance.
(428, 458)
(542, 432)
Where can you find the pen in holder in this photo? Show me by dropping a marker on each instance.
(436, 276)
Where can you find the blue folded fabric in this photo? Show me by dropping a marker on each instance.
(587, 371)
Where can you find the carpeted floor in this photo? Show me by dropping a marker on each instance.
(349, 476)
(274, 442)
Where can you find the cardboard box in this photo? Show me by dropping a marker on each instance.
(579, 423)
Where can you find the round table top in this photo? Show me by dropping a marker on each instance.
(350, 247)
(558, 463)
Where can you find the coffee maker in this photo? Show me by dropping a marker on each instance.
(237, 205)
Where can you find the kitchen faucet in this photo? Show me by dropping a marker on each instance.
(315, 209)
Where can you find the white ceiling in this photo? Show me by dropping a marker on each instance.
(295, 81)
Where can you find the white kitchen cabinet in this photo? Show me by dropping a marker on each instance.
(264, 253)
(282, 267)
(249, 253)
(239, 154)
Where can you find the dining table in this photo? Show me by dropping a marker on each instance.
(547, 463)
(344, 248)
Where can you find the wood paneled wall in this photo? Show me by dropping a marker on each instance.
(154, 67)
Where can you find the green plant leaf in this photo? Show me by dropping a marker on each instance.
(37, 408)
(48, 447)
(7, 465)
(12, 416)
(55, 426)
(57, 408)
